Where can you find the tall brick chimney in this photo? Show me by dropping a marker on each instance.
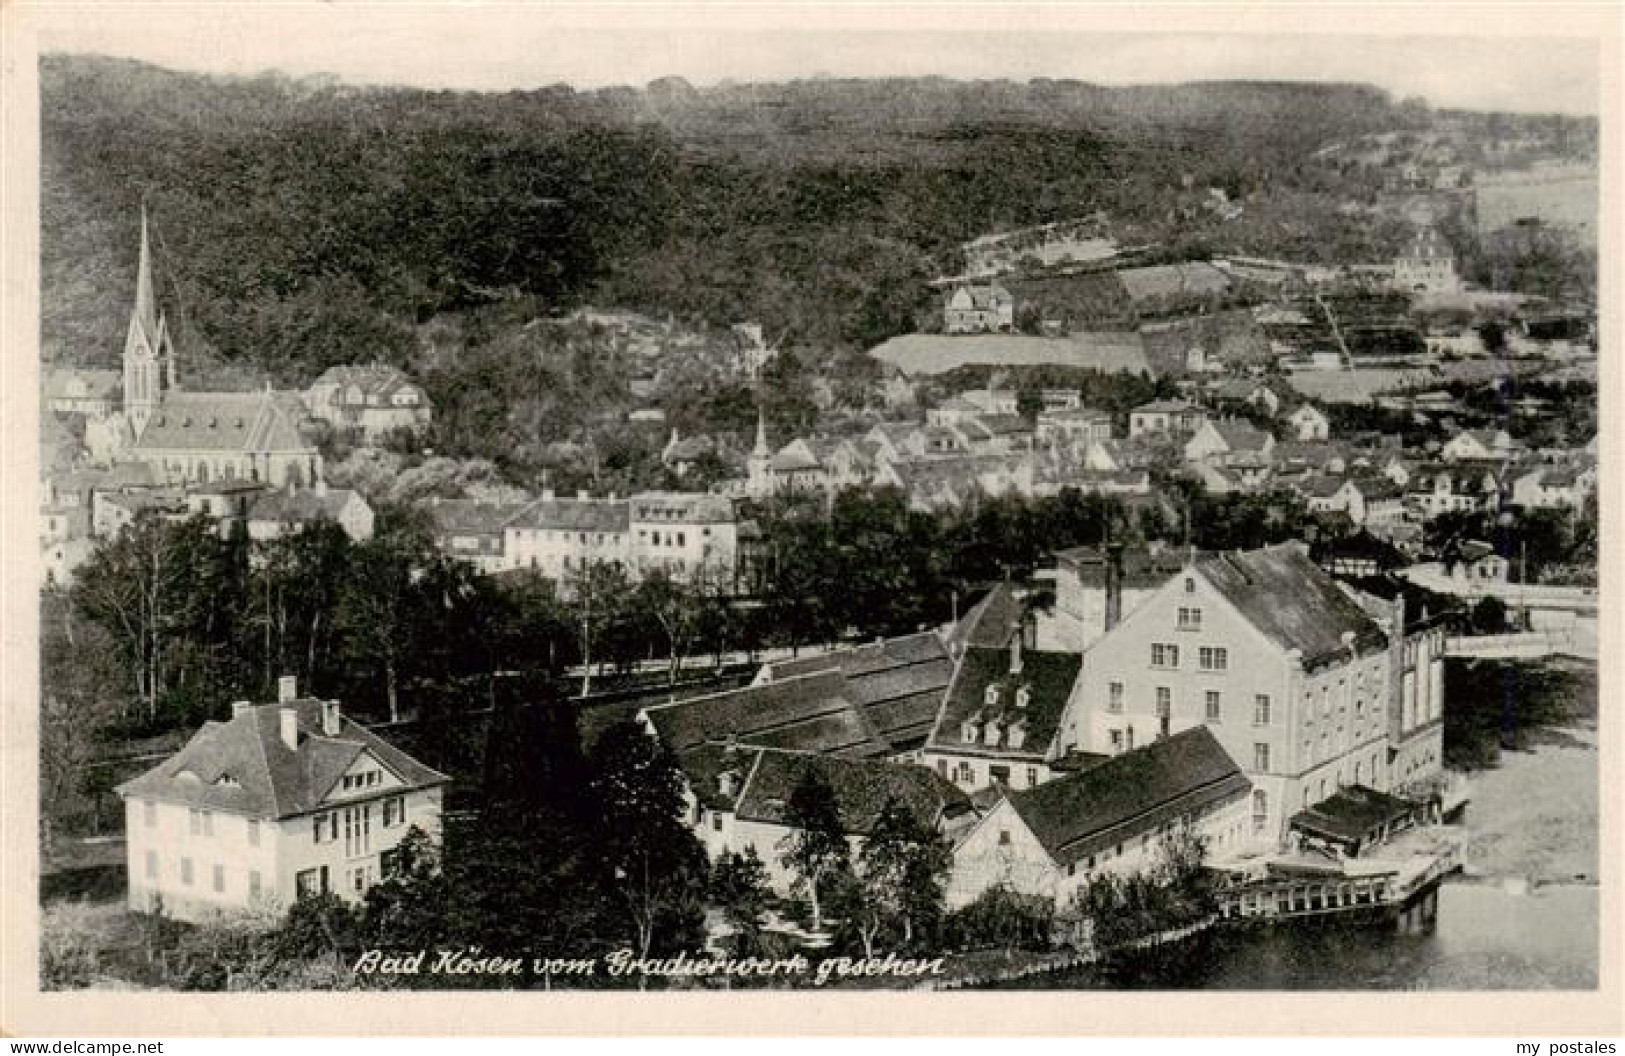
(1114, 584)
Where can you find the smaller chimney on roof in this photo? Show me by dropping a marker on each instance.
(1015, 652)
(330, 718)
(287, 689)
(241, 707)
(288, 724)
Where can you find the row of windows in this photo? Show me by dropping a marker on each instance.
(188, 878)
(1209, 657)
(199, 822)
(367, 779)
(1213, 707)
(309, 883)
(357, 822)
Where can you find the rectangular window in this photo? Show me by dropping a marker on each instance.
(1032, 777)
(1261, 758)
(149, 810)
(194, 821)
(1117, 740)
(1165, 702)
(1261, 710)
(1212, 705)
(152, 865)
(219, 878)
(359, 881)
(1004, 837)
(253, 883)
(1213, 658)
(1190, 619)
(1114, 697)
(310, 882)
(716, 820)
(253, 832)
(186, 871)
(208, 822)
(1164, 655)
(316, 829)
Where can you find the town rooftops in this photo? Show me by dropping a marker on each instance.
(1142, 568)
(302, 506)
(688, 507)
(1356, 814)
(986, 691)
(809, 713)
(1241, 436)
(573, 515)
(1292, 602)
(221, 421)
(377, 382)
(982, 297)
(898, 683)
(1165, 407)
(1129, 794)
(472, 517)
(244, 766)
(861, 788)
(991, 622)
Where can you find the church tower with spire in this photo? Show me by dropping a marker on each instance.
(759, 465)
(148, 354)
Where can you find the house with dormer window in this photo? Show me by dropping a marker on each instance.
(280, 802)
(998, 718)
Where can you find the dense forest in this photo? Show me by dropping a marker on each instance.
(301, 222)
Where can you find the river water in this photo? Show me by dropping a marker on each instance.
(1524, 916)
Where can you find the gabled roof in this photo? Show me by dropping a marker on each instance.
(684, 507)
(1129, 794)
(244, 767)
(1241, 436)
(1291, 601)
(1165, 407)
(375, 380)
(898, 683)
(225, 421)
(471, 517)
(573, 515)
(991, 622)
(303, 506)
(1142, 569)
(810, 713)
(1048, 678)
(861, 789)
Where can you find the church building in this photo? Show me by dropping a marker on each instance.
(202, 437)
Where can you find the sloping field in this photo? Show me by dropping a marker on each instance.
(1111, 352)
(1563, 196)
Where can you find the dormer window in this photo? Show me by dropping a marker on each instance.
(990, 696)
(993, 734)
(1016, 735)
(1190, 585)
(1024, 696)
(970, 731)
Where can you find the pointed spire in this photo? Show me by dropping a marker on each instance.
(761, 450)
(145, 313)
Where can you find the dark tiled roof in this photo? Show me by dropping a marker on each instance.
(898, 683)
(684, 506)
(992, 621)
(243, 765)
(1354, 813)
(704, 766)
(1129, 794)
(1142, 570)
(225, 421)
(1291, 601)
(1048, 677)
(811, 713)
(861, 789)
(302, 506)
(1241, 436)
(469, 517)
(573, 515)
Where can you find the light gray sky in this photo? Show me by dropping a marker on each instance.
(519, 46)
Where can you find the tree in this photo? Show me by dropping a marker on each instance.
(646, 855)
(142, 586)
(903, 867)
(676, 605)
(816, 846)
(81, 690)
(598, 592)
(374, 611)
(739, 886)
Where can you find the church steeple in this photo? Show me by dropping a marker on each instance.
(147, 349)
(759, 465)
